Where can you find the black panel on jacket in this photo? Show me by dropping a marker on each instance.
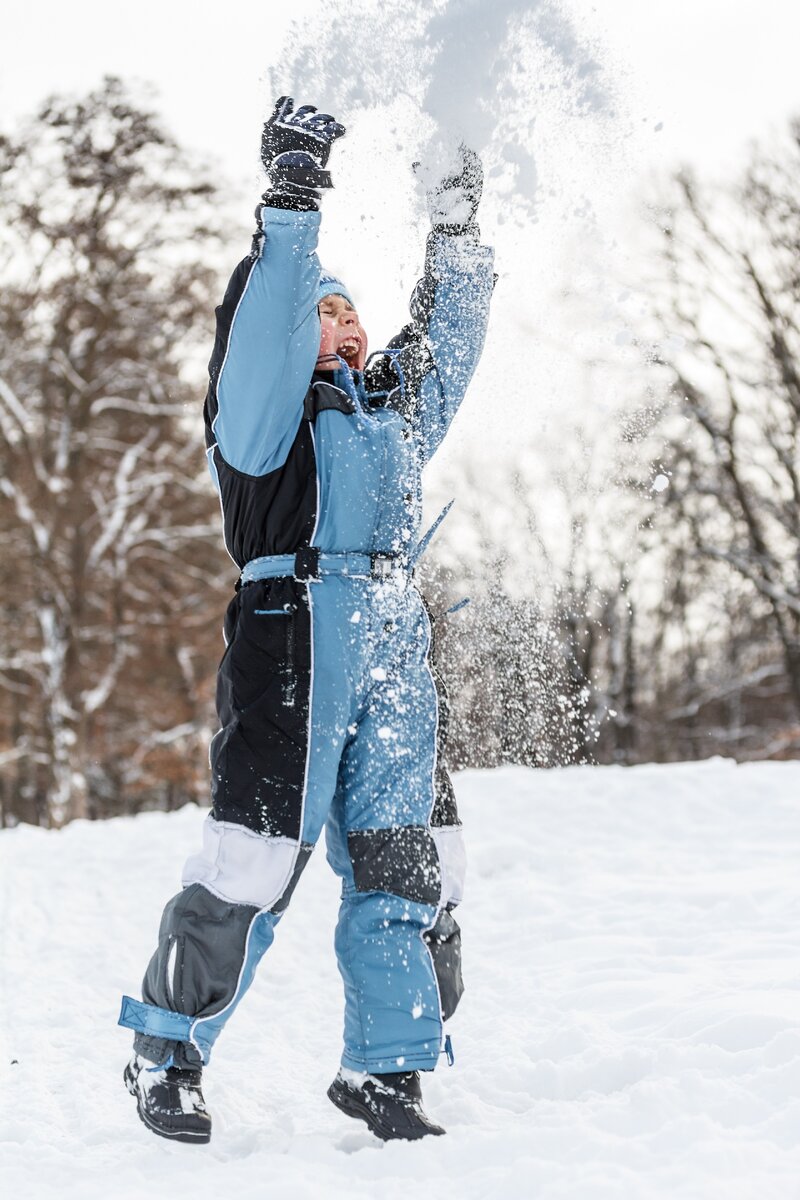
(322, 395)
(273, 513)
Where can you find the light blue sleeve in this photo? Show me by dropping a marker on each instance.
(453, 306)
(271, 345)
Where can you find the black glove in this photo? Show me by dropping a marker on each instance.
(294, 150)
(453, 201)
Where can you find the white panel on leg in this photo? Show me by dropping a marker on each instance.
(452, 853)
(241, 866)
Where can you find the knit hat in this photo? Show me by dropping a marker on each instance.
(329, 285)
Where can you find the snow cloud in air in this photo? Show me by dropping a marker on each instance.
(463, 70)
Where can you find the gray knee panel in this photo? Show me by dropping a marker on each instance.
(444, 943)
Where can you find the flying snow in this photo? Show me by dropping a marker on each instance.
(470, 71)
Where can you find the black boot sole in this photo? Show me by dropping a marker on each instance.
(201, 1138)
(352, 1106)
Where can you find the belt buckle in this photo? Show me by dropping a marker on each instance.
(381, 565)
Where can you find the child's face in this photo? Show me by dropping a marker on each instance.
(341, 334)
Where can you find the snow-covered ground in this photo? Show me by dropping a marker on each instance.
(631, 1026)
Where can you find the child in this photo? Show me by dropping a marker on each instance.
(326, 695)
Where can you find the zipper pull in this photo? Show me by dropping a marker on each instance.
(454, 608)
(448, 1049)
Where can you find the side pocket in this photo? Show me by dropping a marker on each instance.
(264, 667)
(444, 943)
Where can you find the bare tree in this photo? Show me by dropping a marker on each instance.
(730, 291)
(109, 530)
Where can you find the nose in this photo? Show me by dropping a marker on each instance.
(348, 317)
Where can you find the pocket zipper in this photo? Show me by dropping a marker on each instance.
(288, 690)
(289, 681)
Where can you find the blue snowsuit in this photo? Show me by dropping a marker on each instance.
(329, 707)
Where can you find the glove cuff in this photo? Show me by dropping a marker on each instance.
(306, 177)
(295, 202)
(471, 230)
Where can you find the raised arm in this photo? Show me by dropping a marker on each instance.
(434, 357)
(267, 325)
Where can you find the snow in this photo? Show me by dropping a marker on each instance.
(631, 1026)
(534, 88)
(470, 71)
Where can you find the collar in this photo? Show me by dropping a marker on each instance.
(353, 383)
(343, 377)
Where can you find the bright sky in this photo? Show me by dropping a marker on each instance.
(696, 80)
(714, 71)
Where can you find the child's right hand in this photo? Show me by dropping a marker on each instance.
(295, 146)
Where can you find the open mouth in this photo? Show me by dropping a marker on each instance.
(349, 349)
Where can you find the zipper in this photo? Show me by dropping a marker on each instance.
(289, 683)
(289, 679)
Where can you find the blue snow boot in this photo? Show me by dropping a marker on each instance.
(391, 1105)
(169, 1101)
